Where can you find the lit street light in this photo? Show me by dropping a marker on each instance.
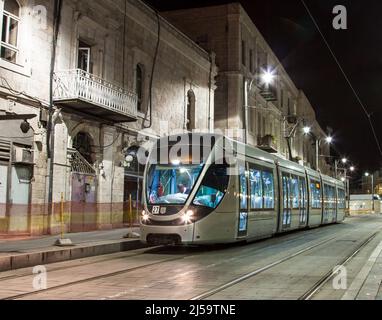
(344, 160)
(267, 77)
(307, 130)
(329, 140)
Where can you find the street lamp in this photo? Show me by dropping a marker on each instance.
(344, 160)
(307, 130)
(367, 174)
(267, 77)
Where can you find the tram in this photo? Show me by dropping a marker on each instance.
(209, 189)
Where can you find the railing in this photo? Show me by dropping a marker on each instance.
(79, 164)
(79, 84)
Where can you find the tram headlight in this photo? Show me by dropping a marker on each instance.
(145, 216)
(187, 217)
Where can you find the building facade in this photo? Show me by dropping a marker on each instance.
(273, 114)
(114, 76)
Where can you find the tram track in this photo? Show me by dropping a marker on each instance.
(108, 258)
(256, 272)
(309, 293)
(243, 253)
(277, 241)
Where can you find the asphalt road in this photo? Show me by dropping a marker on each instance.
(293, 266)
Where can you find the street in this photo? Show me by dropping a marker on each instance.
(292, 266)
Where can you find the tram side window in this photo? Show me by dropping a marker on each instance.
(316, 197)
(262, 189)
(303, 198)
(256, 189)
(341, 199)
(269, 190)
(213, 188)
(326, 197)
(286, 191)
(295, 192)
(243, 189)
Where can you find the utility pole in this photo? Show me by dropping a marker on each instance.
(317, 153)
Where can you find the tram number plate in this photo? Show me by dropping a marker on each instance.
(156, 210)
(159, 210)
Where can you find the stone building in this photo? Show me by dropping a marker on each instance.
(119, 68)
(272, 111)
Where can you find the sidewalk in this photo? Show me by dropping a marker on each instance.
(16, 254)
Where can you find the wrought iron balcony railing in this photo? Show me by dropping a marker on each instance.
(94, 95)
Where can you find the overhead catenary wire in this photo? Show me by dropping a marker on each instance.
(367, 113)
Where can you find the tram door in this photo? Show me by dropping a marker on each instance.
(244, 203)
(287, 206)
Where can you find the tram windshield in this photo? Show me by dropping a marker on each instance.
(171, 184)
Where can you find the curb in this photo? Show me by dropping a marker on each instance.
(32, 259)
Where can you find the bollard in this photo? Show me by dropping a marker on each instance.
(131, 234)
(63, 242)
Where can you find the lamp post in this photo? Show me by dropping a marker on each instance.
(329, 140)
(267, 78)
(372, 189)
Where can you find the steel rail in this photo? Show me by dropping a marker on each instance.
(308, 295)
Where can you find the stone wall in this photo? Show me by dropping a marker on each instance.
(118, 45)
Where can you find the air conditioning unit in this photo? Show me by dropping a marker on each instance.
(267, 143)
(23, 156)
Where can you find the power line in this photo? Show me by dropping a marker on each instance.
(368, 115)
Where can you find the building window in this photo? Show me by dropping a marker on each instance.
(139, 81)
(282, 99)
(243, 53)
(84, 57)
(10, 29)
(251, 62)
(190, 110)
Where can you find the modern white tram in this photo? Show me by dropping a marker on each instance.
(220, 199)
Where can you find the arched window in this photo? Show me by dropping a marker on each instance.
(190, 110)
(139, 81)
(10, 29)
(83, 144)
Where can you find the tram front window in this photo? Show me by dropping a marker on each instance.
(171, 185)
(213, 188)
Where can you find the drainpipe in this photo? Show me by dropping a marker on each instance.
(50, 127)
(212, 63)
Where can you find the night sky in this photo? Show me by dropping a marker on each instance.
(289, 30)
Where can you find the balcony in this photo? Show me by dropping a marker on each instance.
(86, 94)
(268, 93)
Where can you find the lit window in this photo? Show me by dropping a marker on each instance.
(315, 188)
(256, 189)
(10, 29)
